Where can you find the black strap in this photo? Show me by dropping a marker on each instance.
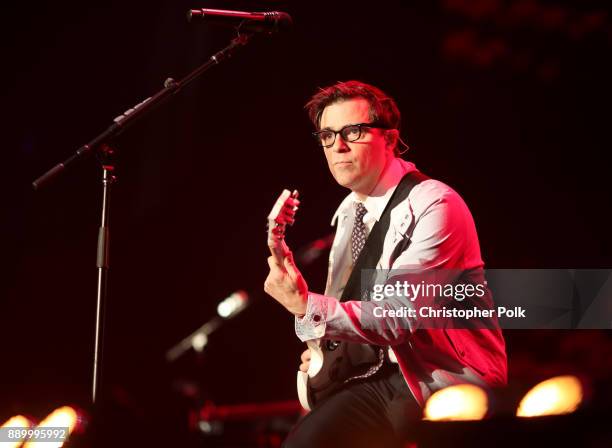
(372, 250)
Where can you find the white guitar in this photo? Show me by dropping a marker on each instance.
(332, 363)
(283, 214)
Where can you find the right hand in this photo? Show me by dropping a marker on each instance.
(305, 360)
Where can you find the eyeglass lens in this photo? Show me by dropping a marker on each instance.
(349, 133)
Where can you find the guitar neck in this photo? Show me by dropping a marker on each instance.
(281, 216)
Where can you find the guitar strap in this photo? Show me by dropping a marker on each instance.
(372, 250)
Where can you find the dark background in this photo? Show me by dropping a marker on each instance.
(506, 101)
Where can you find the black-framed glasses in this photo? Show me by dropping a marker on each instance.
(349, 133)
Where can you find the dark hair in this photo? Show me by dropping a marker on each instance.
(383, 109)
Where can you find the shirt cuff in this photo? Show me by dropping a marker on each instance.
(312, 324)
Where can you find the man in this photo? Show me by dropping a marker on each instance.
(432, 228)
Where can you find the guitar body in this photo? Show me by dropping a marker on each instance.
(332, 365)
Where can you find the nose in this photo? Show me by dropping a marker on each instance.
(340, 145)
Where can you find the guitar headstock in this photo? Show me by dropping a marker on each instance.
(282, 214)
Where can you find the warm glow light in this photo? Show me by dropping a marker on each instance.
(460, 402)
(17, 422)
(558, 395)
(233, 305)
(64, 417)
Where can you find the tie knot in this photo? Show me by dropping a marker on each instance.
(361, 211)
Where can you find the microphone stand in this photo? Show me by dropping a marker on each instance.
(99, 146)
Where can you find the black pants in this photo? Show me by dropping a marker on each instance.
(375, 412)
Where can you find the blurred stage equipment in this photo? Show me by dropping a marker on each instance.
(227, 308)
(53, 431)
(555, 412)
(65, 417)
(555, 396)
(250, 424)
(310, 252)
(460, 402)
(16, 422)
(491, 33)
(104, 153)
(239, 301)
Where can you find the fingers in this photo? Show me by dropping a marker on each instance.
(286, 284)
(277, 270)
(290, 266)
(276, 276)
(304, 366)
(305, 357)
(273, 263)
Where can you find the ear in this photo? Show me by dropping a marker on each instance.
(391, 136)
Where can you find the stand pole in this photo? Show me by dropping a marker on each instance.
(102, 263)
(99, 147)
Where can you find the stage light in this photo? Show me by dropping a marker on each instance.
(555, 396)
(233, 305)
(460, 402)
(64, 417)
(17, 422)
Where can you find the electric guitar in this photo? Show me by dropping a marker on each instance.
(332, 363)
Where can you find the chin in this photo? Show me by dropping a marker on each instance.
(344, 180)
(351, 184)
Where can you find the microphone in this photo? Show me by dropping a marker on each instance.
(270, 21)
(227, 308)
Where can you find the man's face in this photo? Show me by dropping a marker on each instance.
(355, 165)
